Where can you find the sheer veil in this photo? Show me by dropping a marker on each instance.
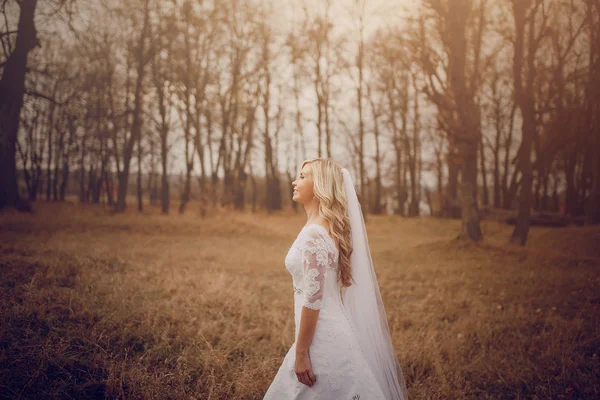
(364, 307)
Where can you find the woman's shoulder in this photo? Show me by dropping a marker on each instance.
(316, 233)
(315, 230)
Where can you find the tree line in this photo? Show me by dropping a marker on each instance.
(456, 103)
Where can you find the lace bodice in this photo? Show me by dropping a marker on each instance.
(312, 261)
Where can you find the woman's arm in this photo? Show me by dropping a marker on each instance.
(308, 323)
(303, 366)
(315, 260)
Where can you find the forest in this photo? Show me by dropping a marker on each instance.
(459, 104)
(462, 104)
(147, 154)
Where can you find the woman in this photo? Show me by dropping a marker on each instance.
(343, 349)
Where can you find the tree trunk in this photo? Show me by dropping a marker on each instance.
(468, 197)
(378, 207)
(524, 96)
(82, 169)
(254, 195)
(164, 178)
(140, 194)
(592, 215)
(65, 180)
(593, 205)
(57, 165)
(497, 110)
(412, 153)
(12, 91)
(508, 191)
(66, 158)
(450, 207)
(439, 169)
(521, 230)
(467, 135)
(400, 187)
(136, 125)
(486, 193)
(361, 126)
(49, 134)
(269, 178)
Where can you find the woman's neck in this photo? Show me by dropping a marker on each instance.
(312, 211)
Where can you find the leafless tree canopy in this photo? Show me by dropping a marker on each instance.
(448, 107)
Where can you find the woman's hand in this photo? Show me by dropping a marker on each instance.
(303, 369)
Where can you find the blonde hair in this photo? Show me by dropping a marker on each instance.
(329, 189)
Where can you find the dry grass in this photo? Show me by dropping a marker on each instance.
(148, 306)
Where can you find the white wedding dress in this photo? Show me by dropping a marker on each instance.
(339, 366)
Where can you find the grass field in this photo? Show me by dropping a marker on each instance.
(178, 307)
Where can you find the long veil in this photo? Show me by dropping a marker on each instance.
(364, 307)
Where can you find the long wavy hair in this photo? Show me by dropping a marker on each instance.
(329, 189)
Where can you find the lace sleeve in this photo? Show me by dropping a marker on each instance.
(315, 260)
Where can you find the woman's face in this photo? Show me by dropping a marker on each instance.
(303, 186)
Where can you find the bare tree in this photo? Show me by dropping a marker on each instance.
(163, 80)
(593, 109)
(376, 114)
(194, 75)
(272, 181)
(297, 143)
(528, 36)
(457, 99)
(141, 52)
(12, 90)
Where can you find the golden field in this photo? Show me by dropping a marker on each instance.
(145, 306)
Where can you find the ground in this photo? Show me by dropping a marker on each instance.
(180, 307)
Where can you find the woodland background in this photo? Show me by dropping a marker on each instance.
(454, 104)
(147, 150)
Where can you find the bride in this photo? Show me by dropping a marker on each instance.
(343, 348)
